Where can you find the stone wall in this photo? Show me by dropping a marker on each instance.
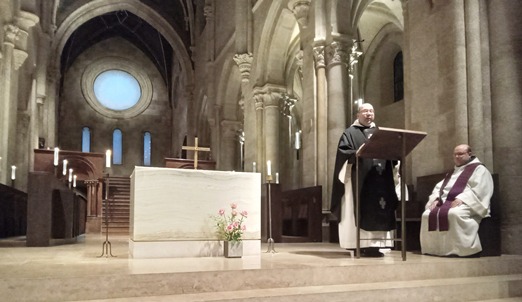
(76, 113)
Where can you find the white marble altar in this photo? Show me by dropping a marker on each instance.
(172, 209)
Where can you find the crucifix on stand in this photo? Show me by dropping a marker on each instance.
(196, 149)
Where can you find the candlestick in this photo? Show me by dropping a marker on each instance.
(56, 151)
(254, 168)
(74, 181)
(108, 159)
(268, 168)
(298, 140)
(277, 177)
(70, 174)
(13, 172)
(64, 172)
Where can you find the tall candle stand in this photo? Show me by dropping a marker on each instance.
(270, 241)
(107, 247)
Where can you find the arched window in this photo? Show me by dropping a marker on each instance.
(147, 148)
(117, 142)
(86, 139)
(398, 78)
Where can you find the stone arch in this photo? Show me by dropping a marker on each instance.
(269, 64)
(100, 7)
(380, 54)
(229, 91)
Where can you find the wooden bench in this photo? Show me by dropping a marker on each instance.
(296, 214)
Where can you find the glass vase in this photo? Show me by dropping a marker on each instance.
(233, 249)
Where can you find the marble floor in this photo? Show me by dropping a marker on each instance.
(87, 257)
(25, 272)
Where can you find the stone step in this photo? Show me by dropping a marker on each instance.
(420, 279)
(499, 288)
(119, 217)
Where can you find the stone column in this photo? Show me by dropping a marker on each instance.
(479, 137)
(230, 146)
(33, 125)
(247, 105)
(454, 69)
(7, 106)
(338, 90)
(51, 105)
(506, 95)
(41, 85)
(272, 118)
(321, 125)
(259, 111)
(92, 197)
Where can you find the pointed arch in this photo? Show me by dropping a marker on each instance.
(269, 64)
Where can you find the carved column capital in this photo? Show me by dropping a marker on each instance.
(300, 8)
(337, 53)
(319, 57)
(299, 59)
(11, 34)
(270, 95)
(354, 57)
(287, 104)
(208, 11)
(244, 61)
(26, 20)
(258, 101)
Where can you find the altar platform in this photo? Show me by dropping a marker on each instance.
(297, 272)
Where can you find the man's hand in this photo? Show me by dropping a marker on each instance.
(457, 202)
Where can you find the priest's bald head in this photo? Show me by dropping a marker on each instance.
(462, 155)
(366, 114)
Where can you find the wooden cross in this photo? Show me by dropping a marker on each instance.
(196, 149)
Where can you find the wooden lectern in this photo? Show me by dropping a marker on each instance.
(388, 144)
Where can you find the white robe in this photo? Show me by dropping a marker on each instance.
(347, 227)
(462, 237)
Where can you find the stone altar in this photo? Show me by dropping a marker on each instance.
(171, 211)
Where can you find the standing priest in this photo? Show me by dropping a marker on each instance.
(378, 199)
(455, 208)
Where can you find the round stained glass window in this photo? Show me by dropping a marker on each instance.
(116, 87)
(117, 90)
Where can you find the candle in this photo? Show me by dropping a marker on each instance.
(298, 140)
(64, 172)
(277, 177)
(268, 168)
(254, 168)
(56, 151)
(74, 181)
(13, 172)
(70, 174)
(108, 159)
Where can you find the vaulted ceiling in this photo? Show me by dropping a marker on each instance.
(124, 24)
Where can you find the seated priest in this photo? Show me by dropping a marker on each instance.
(455, 208)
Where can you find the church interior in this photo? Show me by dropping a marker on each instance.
(94, 91)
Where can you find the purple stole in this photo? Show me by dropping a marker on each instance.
(440, 212)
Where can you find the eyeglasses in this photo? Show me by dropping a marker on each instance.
(460, 153)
